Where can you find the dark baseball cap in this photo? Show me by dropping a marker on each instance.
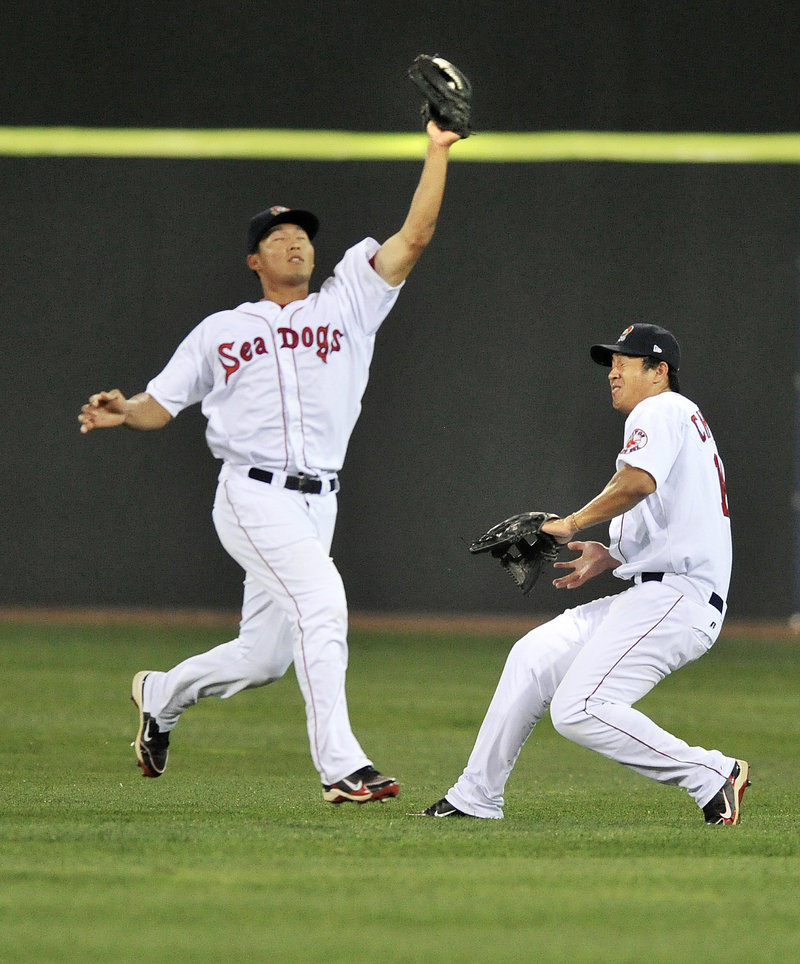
(277, 214)
(641, 340)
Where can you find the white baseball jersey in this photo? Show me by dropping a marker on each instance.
(684, 526)
(281, 387)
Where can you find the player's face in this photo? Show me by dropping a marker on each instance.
(631, 382)
(284, 256)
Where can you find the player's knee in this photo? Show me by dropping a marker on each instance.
(568, 716)
(326, 620)
(523, 661)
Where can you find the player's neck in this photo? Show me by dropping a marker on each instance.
(284, 294)
(630, 404)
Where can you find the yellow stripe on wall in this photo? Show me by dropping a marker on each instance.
(309, 145)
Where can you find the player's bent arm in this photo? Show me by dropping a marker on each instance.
(110, 409)
(626, 489)
(399, 253)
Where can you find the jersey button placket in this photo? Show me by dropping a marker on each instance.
(294, 424)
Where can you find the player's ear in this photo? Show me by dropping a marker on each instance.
(253, 261)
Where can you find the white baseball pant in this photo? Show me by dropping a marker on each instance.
(294, 610)
(589, 666)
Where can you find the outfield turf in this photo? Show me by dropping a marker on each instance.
(233, 856)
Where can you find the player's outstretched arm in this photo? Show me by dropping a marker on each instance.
(398, 255)
(110, 409)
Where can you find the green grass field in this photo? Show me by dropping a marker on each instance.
(233, 856)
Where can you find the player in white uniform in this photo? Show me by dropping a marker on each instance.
(670, 534)
(280, 381)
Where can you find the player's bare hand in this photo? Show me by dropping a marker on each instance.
(594, 558)
(440, 137)
(103, 410)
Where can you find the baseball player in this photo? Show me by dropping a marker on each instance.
(280, 381)
(670, 535)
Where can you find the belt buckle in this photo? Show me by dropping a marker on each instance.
(308, 485)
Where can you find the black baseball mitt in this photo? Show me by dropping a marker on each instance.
(447, 92)
(521, 546)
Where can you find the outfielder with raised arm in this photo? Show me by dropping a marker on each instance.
(280, 381)
(670, 534)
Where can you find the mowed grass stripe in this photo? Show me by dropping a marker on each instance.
(233, 854)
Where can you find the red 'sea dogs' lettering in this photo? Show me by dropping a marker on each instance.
(308, 339)
(232, 356)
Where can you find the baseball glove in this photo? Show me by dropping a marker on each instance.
(521, 546)
(447, 92)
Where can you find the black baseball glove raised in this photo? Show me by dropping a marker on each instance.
(447, 92)
(521, 546)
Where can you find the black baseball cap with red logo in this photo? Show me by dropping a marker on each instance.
(641, 341)
(277, 214)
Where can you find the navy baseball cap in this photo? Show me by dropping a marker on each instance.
(277, 214)
(640, 341)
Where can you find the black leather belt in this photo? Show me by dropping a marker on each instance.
(307, 484)
(714, 599)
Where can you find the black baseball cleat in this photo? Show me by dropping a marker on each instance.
(362, 786)
(151, 745)
(442, 808)
(725, 807)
